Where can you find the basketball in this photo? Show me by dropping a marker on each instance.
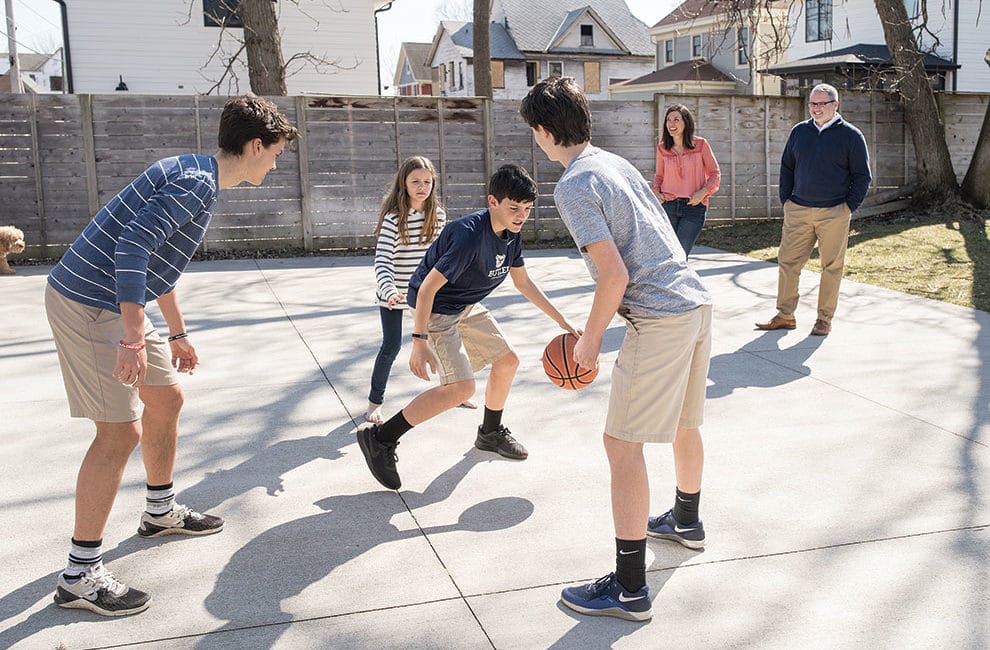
(559, 364)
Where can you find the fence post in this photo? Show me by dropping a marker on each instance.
(488, 149)
(732, 157)
(873, 140)
(89, 152)
(443, 160)
(766, 150)
(306, 198)
(395, 124)
(39, 187)
(205, 245)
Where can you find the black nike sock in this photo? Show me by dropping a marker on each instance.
(493, 419)
(630, 563)
(686, 507)
(393, 429)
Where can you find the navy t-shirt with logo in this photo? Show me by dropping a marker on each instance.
(473, 259)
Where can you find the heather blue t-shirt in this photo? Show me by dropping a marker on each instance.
(473, 259)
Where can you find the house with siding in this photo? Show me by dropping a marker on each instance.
(412, 72)
(598, 42)
(175, 47)
(40, 73)
(700, 49)
(843, 43)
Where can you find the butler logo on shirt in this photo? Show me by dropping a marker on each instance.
(500, 270)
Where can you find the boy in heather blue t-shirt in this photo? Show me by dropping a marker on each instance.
(454, 336)
(660, 374)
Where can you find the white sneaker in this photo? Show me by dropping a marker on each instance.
(99, 591)
(180, 521)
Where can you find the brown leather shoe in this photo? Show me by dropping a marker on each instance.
(778, 323)
(821, 328)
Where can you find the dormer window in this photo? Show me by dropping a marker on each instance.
(587, 36)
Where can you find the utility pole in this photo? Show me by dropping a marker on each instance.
(15, 67)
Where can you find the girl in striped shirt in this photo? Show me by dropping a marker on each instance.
(409, 221)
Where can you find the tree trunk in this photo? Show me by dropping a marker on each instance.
(936, 180)
(482, 55)
(266, 65)
(976, 185)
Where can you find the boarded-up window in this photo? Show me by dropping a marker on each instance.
(450, 75)
(498, 74)
(592, 77)
(443, 76)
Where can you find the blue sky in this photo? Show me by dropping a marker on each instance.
(39, 24)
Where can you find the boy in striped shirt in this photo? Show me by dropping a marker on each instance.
(116, 368)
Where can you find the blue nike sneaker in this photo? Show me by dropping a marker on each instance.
(607, 597)
(666, 527)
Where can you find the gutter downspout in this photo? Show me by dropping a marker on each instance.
(955, 45)
(378, 55)
(65, 45)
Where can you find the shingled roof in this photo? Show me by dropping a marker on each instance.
(533, 25)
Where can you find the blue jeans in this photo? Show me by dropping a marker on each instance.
(687, 221)
(391, 343)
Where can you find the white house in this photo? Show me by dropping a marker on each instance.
(598, 42)
(40, 73)
(700, 50)
(169, 47)
(845, 37)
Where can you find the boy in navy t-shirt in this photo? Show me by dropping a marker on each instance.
(454, 336)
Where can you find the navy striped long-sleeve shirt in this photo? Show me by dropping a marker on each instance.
(138, 244)
(395, 261)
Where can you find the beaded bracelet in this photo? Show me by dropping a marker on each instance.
(137, 347)
(181, 335)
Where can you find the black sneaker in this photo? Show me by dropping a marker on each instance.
(100, 592)
(179, 521)
(501, 441)
(380, 457)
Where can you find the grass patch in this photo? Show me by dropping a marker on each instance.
(943, 255)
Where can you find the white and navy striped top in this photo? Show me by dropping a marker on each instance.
(138, 244)
(395, 261)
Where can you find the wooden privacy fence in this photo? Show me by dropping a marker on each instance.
(63, 156)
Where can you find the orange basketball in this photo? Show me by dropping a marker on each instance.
(559, 364)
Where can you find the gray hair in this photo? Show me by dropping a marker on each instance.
(828, 89)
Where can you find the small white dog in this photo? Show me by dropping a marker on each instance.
(11, 241)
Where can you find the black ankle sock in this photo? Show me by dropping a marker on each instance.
(630, 563)
(393, 429)
(686, 507)
(492, 420)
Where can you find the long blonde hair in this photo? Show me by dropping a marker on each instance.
(397, 202)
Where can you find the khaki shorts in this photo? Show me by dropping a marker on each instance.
(464, 343)
(660, 376)
(86, 339)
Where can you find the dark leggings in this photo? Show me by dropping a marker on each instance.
(391, 343)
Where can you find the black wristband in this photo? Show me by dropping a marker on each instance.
(420, 336)
(177, 337)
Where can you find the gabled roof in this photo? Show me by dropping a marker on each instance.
(28, 62)
(570, 19)
(462, 35)
(692, 10)
(417, 55)
(859, 55)
(534, 25)
(697, 70)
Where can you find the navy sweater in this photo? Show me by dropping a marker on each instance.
(822, 170)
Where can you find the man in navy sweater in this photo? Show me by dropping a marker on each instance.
(824, 176)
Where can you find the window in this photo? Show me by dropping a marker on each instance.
(818, 20)
(556, 68)
(532, 72)
(696, 46)
(460, 75)
(221, 13)
(742, 46)
(450, 75)
(913, 8)
(587, 35)
(592, 77)
(668, 51)
(443, 78)
(498, 74)
(55, 82)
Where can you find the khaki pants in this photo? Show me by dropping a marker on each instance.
(804, 226)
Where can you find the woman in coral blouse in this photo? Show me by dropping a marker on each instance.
(687, 174)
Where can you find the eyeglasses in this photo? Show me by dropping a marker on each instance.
(821, 104)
